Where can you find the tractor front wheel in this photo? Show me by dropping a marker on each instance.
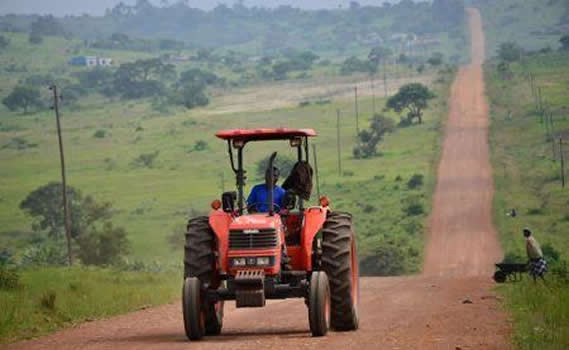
(199, 262)
(194, 316)
(319, 304)
(340, 262)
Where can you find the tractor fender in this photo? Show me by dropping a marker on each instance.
(219, 222)
(314, 218)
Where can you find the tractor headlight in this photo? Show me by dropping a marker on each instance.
(263, 261)
(239, 262)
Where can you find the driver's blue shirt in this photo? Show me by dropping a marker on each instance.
(259, 196)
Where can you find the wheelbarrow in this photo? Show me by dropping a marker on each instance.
(511, 272)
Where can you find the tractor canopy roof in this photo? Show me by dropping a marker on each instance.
(264, 134)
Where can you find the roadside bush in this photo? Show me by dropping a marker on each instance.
(415, 209)
(9, 278)
(550, 253)
(415, 181)
(47, 300)
(385, 260)
(46, 254)
(103, 247)
(20, 144)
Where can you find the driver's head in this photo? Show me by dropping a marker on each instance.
(527, 232)
(276, 174)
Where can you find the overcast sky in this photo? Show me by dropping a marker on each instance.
(97, 7)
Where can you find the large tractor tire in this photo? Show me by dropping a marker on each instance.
(319, 304)
(340, 262)
(199, 262)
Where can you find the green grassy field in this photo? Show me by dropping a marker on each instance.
(153, 202)
(533, 24)
(527, 175)
(48, 299)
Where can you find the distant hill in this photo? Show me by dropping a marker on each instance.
(75, 7)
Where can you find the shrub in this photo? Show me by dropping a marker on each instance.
(535, 211)
(9, 279)
(100, 134)
(550, 253)
(304, 104)
(414, 209)
(415, 181)
(20, 144)
(200, 145)
(47, 300)
(385, 260)
(146, 159)
(45, 255)
(104, 247)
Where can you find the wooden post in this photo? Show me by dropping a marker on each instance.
(384, 79)
(316, 170)
(357, 113)
(339, 147)
(63, 179)
(372, 95)
(562, 158)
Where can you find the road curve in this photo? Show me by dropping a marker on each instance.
(449, 306)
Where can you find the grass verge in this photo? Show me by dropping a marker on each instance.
(527, 175)
(47, 299)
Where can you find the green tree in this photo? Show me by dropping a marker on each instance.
(4, 42)
(414, 97)
(103, 246)
(370, 138)
(509, 51)
(35, 38)
(45, 204)
(564, 42)
(23, 97)
(378, 55)
(436, 59)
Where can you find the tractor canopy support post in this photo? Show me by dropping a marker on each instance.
(240, 179)
(271, 184)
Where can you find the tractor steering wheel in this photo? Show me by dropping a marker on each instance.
(276, 207)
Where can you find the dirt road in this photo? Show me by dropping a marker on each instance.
(450, 306)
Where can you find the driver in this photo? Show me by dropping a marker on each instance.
(258, 199)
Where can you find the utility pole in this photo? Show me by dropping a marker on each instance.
(339, 147)
(316, 170)
(62, 158)
(372, 95)
(384, 80)
(561, 156)
(357, 112)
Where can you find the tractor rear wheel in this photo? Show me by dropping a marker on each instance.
(340, 262)
(199, 262)
(319, 304)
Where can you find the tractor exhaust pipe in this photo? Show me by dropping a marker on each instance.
(271, 184)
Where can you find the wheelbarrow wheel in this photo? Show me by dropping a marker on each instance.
(500, 276)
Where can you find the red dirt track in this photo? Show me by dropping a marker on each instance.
(416, 312)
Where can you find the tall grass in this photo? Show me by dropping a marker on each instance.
(51, 298)
(540, 313)
(527, 177)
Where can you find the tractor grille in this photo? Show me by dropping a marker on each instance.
(263, 239)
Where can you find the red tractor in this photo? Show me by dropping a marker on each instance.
(291, 252)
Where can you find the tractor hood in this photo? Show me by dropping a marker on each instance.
(255, 221)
